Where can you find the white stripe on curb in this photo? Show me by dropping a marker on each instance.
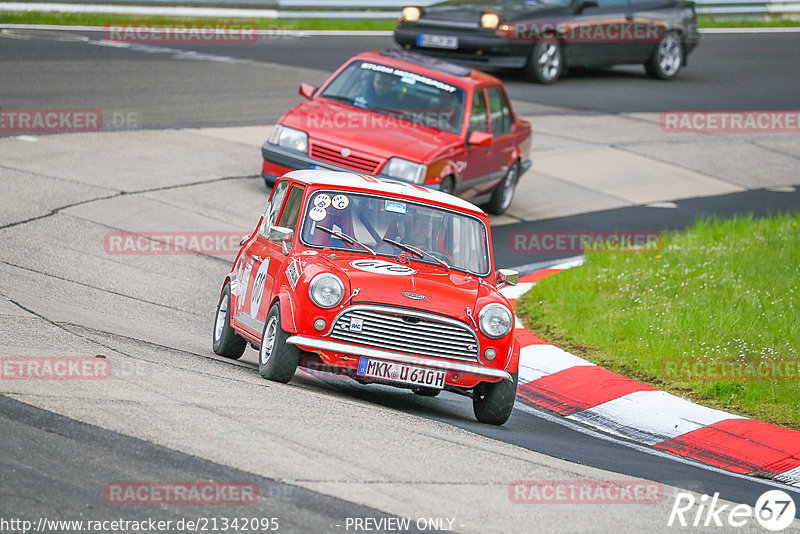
(650, 416)
(536, 361)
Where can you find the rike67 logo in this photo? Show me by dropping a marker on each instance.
(774, 511)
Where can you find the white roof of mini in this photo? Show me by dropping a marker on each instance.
(380, 185)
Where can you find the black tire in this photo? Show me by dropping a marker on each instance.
(269, 182)
(667, 58)
(447, 185)
(277, 360)
(545, 62)
(225, 341)
(504, 192)
(426, 392)
(492, 402)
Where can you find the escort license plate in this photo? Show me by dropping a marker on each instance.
(437, 41)
(400, 372)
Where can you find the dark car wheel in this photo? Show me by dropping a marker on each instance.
(504, 193)
(426, 392)
(493, 402)
(545, 64)
(277, 360)
(226, 342)
(667, 58)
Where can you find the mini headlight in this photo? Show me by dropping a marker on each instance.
(405, 170)
(495, 320)
(326, 290)
(490, 21)
(411, 13)
(289, 138)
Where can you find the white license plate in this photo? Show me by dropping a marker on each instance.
(437, 41)
(400, 372)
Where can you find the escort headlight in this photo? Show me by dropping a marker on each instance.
(405, 170)
(490, 21)
(411, 13)
(495, 321)
(289, 138)
(326, 290)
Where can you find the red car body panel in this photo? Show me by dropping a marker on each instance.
(372, 138)
(265, 273)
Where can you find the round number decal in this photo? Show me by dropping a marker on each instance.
(322, 201)
(382, 267)
(340, 202)
(317, 214)
(258, 288)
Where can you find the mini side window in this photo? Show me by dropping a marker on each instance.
(273, 208)
(292, 208)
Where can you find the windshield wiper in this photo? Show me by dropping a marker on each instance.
(417, 251)
(347, 239)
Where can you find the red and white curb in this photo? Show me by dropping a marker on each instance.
(581, 391)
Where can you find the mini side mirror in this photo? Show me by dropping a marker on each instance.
(306, 90)
(480, 138)
(507, 277)
(244, 239)
(282, 235)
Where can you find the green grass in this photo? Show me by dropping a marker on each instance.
(706, 21)
(726, 292)
(101, 19)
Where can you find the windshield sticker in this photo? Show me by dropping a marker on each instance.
(322, 201)
(409, 77)
(382, 267)
(395, 207)
(340, 202)
(317, 214)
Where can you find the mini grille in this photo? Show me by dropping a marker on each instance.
(406, 332)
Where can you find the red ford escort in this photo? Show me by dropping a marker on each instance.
(408, 117)
(383, 281)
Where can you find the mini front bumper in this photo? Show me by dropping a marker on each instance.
(386, 355)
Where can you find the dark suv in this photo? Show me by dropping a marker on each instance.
(545, 37)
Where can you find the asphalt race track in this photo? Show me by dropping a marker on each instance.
(320, 451)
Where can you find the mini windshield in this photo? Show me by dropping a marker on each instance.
(399, 94)
(366, 223)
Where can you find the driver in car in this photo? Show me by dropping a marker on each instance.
(382, 92)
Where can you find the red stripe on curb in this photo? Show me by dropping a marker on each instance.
(578, 388)
(776, 468)
(538, 275)
(526, 338)
(738, 445)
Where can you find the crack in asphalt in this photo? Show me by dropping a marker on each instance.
(59, 209)
(110, 291)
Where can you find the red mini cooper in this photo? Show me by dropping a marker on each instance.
(409, 117)
(380, 280)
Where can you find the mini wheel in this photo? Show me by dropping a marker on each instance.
(226, 342)
(277, 360)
